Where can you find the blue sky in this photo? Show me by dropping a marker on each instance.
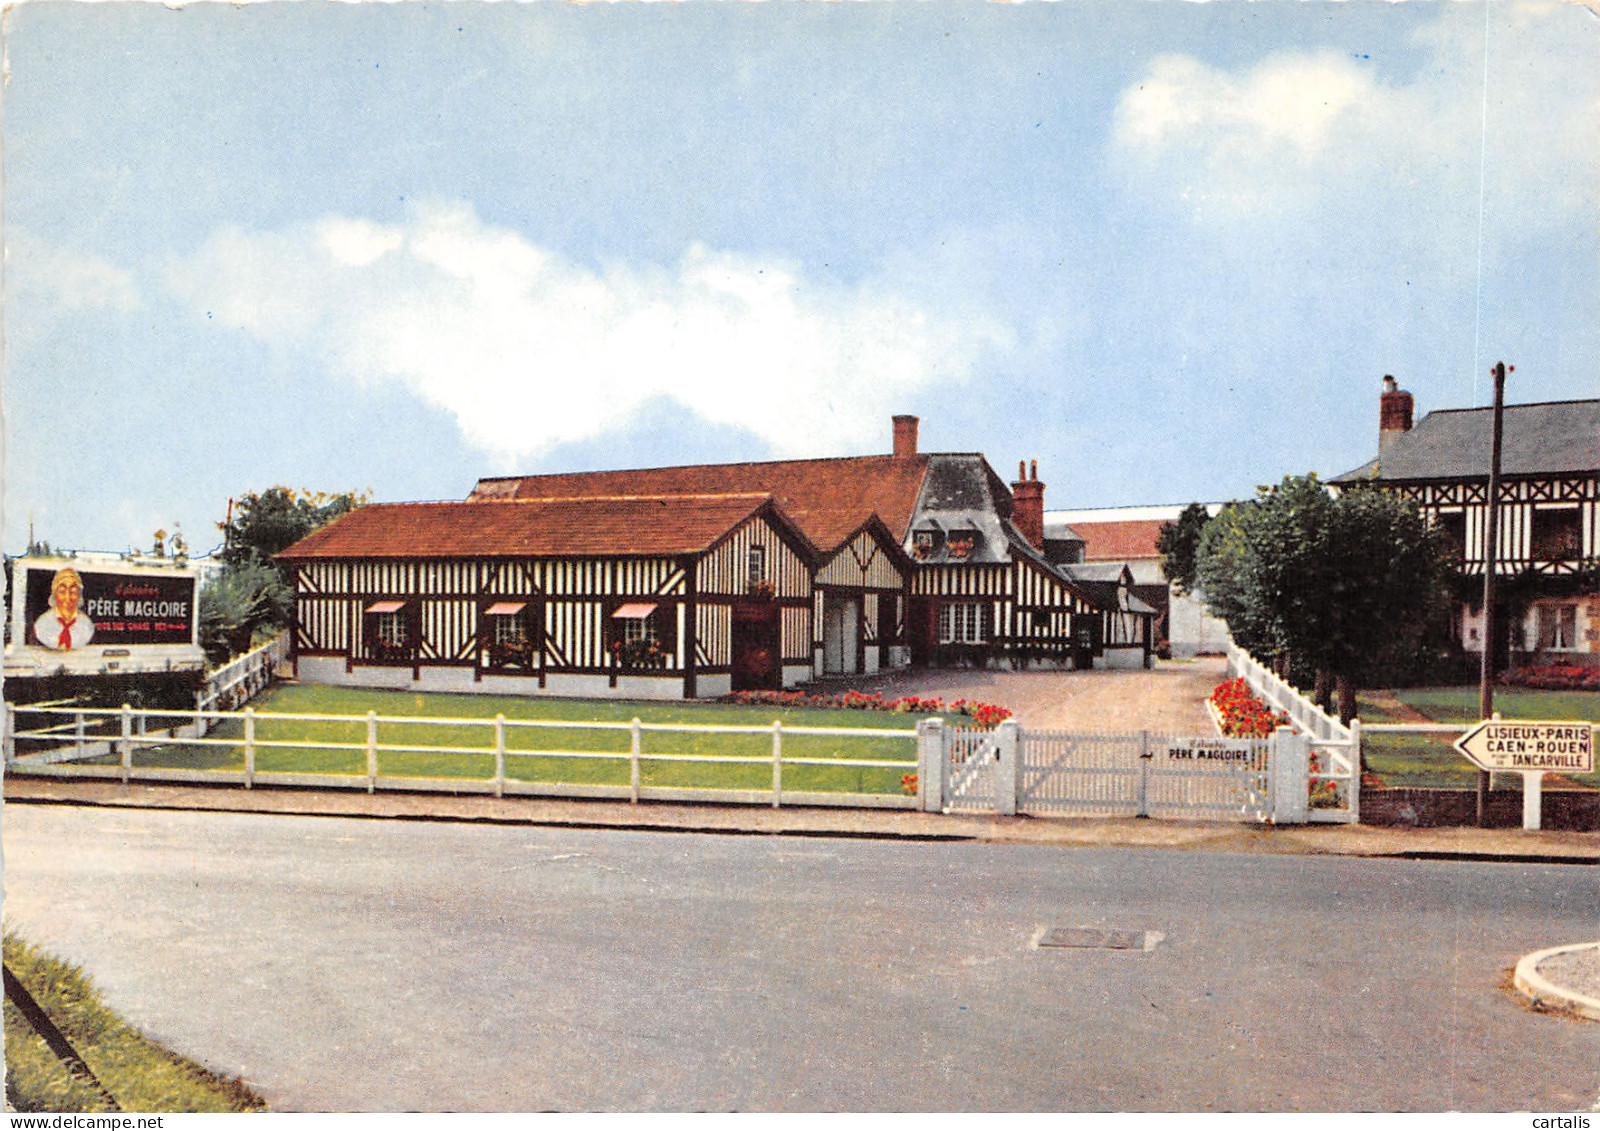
(1166, 249)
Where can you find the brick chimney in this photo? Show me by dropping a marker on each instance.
(1027, 504)
(1394, 413)
(905, 436)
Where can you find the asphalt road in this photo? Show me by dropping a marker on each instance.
(345, 965)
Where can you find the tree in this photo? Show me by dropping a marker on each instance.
(1179, 543)
(254, 592)
(1334, 585)
(268, 523)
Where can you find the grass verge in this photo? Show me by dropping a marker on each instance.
(1429, 761)
(140, 1074)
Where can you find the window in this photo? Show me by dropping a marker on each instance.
(961, 622)
(1557, 534)
(391, 629)
(1558, 627)
(639, 635)
(1454, 526)
(758, 564)
(642, 630)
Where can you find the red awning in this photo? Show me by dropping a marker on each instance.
(633, 612)
(505, 609)
(386, 606)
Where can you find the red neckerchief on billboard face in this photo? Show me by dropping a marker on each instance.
(64, 641)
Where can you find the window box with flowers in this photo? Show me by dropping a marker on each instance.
(961, 547)
(762, 590)
(639, 653)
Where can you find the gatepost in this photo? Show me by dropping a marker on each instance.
(1007, 771)
(1290, 758)
(930, 765)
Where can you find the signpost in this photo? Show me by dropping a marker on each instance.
(1532, 750)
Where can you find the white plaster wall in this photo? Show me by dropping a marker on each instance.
(1122, 659)
(1191, 628)
(795, 674)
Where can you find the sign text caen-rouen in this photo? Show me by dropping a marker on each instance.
(1511, 746)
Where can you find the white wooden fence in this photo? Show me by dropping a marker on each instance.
(242, 679)
(69, 749)
(1335, 754)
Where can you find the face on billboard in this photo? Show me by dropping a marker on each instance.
(68, 608)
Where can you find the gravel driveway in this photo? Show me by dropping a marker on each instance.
(1169, 697)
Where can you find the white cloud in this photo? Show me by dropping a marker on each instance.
(529, 350)
(1285, 102)
(1296, 133)
(60, 280)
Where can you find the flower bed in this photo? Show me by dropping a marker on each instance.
(1240, 714)
(984, 714)
(1554, 677)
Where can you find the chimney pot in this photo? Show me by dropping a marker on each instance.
(1395, 408)
(1027, 505)
(905, 436)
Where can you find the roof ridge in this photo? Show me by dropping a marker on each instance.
(1520, 404)
(574, 499)
(702, 466)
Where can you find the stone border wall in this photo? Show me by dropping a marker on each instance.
(1567, 810)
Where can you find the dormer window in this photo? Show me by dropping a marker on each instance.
(925, 542)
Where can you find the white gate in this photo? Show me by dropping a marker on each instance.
(1010, 770)
(971, 757)
(1145, 775)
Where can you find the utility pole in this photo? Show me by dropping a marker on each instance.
(1490, 553)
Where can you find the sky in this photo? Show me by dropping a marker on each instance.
(1168, 250)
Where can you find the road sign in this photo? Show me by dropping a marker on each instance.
(1524, 747)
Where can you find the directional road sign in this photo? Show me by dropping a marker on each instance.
(1524, 747)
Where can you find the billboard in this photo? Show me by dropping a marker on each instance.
(84, 617)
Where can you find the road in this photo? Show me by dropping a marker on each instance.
(343, 964)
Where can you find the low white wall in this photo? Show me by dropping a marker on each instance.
(1123, 659)
(796, 674)
(331, 670)
(712, 686)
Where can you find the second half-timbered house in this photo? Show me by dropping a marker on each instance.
(1548, 526)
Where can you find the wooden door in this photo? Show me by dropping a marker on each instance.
(757, 664)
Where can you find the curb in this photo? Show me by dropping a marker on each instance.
(1546, 994)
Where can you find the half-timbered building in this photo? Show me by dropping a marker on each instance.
(697, 580)
(1548, 535)
(662, 596)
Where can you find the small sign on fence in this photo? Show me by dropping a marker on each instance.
(1211, 750)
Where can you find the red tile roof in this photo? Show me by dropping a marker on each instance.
(828, 499)
(588, 527)
(1130, 540)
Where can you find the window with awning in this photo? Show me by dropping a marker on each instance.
(386, 606)
(505, 609)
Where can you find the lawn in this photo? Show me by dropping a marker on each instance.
(1431, 761)
(554, 753)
